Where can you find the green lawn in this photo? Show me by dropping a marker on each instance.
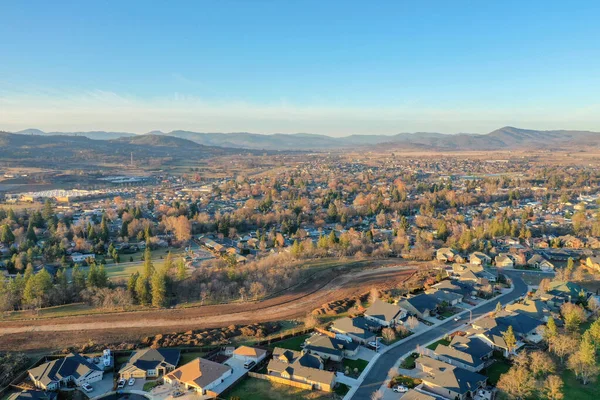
(341, 389)
(359, 364)
(409, 362)
(404, 380)
(574, 390)
(434, 345)
(187, 357)
(292, 343)
(150, 384)
(258, 389)
(494, 371)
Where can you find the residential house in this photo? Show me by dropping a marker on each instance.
(247, 353)
(33, 395)
(445, 254)
(421, 305)
(56, 374)
(504, 260)
(446, 297)
(359, 329)
(470, 353)
(298, 367)
(479, 258)
(199, 374)
(79, 258)
(537, 261)
(329, 348)
(593, 262)
(448, 380)
(533, 308)
(412, 394)
(149, 363)
(384, 313)
(491, 329)
(560, 292)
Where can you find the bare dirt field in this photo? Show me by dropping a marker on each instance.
(58, 333)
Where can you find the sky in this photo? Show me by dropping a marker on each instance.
(327, 67)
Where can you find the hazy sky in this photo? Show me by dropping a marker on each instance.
(330, 67)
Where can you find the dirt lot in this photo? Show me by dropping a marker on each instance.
(59, 333)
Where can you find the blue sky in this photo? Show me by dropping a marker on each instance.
(331, 67)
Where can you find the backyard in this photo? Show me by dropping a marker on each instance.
(358, 364)
(293, 343)
(434, 345)
(258, 389)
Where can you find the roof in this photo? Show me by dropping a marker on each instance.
(199, 372)
(468, 350)
(301, 365)
(296, 357)
(329, 345)
(443, 295)
(53, 371)
(420, 303)
(412, 394)
(148, 359)
(495, 326)
(457, 380)
(563, 289)
(249, 351)
(383, 310)
(33, 395)
(358, 326)
(534, 308)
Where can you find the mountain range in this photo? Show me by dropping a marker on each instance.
(506, 138)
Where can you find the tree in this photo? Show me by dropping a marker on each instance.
(373, 295)
(541, 364)
(498, 307)
(37, 288)
(561, 345)
(412, 322)
(142, 291)
(159, 288)
(168, 264)
(30, 235)
(594, 332)
(553, 388)
(6, 235)
(296, 249)
(181, 271)
(551, 329)
(517, 383)
(257, 290)
(310, 321)
(573, 315)
(377, 395)
(510, 339)
(148, 269)
(388, 334)
(131, 283)
(101, 277)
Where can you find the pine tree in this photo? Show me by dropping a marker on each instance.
(510, 339)
(142, 290)
(159, 289)
(30, 235)
(6, 235)
(131, 283)
(101, 277)
(92, 280)
(148, 269)
(104, 231)
(181, 271)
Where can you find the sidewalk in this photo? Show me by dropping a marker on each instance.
(360, 379)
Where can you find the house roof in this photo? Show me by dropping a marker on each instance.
(421, 303)
(358, 326)
(33, 395)
(383, 310)
(329, 345)
(468, 350)
(148, 359)
(249, 351)
(53, 371)
(534, 308)
(199, 372)
(412, 394)
(302, 365)
(444, 295)
(296, 357)
(522, 324)
(457, 380)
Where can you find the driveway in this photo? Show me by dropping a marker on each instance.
(378, 372)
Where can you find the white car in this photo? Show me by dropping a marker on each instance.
(131, 381)
(87, 387)
(121, 383)
(457, 318)
(373, 345)
(400, 389)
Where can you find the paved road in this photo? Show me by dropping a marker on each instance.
(378, 372)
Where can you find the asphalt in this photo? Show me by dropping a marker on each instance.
(378, 373)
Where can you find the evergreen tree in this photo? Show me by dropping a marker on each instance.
(159, 289)
(30, 235)
(142, 291)
(92, 278)
(148, 269)
(181, 271)
(101, 277)
(104, 231)
(6, 235)
(131, 283)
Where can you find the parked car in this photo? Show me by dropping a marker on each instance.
(131, 381)
(373, 345)
(87, 387)
(177, 394)
(121, 383)
(400, 389)
(457, 318)
(249, 364)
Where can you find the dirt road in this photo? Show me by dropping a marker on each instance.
(68, 331)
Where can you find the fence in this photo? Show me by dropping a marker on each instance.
(276, 379)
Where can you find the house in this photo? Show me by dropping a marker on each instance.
(384, 314)
(329, 348)
(559, 292)
(532, 308)
(445, 254)
(448, 380)
(298, 367)
(593, 262)
(199, 374)
(78, 257)
(479, 258)
(491, 329)
(247, 353)
(504, 260)
(537, 261)
(470, 353)
(446, 297)
(149, 363)
(56, 374)
(412, 394)
(359, 329)
(420, 305)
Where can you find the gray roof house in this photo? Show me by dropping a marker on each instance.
(360, 329)
(448, 380)
(384, 313)
(470, 353)
(330, 348)
(57, 373)
(150, 363)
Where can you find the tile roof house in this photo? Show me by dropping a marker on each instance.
(359, 329)
(150, 363)
(470, 353)
(247, 353)
(294, 366)
(448, 380)
(384, 313)
(329, 348)
(57, 373)
(199, 374)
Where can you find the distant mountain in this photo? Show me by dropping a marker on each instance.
(503, 138)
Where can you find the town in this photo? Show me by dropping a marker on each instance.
(363, 276)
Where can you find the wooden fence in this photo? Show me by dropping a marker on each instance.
(276, 379)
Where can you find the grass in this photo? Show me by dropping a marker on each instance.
(293, 343)
(574, 390)
(358, 364)
(187, 357)
(258, 389)
(341, 389)
(409, 362)
(121, 360)
(148, 386)
(494, 371)
(404, 380)
(434, 345)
